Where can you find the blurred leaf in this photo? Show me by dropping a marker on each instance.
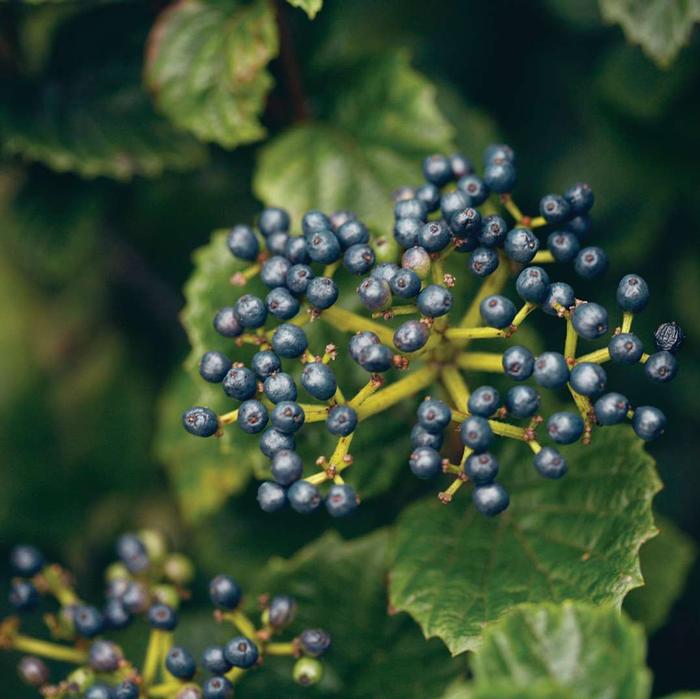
(500, 689)
(684, 695)
(456, 572)
(666, 560)
(383, 121)
(582, 14)
(311, 7)
(206, 66)
(660, 27)
(591, 651)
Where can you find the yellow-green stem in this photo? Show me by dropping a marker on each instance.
(598, 357)
(351, 322)
(523, 313)
(153, 657)
(457, 388)
(46, 649)
(571, 341)
(491, 285)
(241, 621)
(542, 257)
(627, 319)
(481, 361)
(280, 649)
(473, 333)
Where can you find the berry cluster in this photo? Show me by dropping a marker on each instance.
(454, 211)
(146, 582)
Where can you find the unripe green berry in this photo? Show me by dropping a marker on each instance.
(307, 671)
(178, 568)
(154, 543)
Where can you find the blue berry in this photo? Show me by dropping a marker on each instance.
(669, 337)
(359, 258)
(304, 497)
(281, 611)
(359, 341)
(273, 440)
(521, 245)
(251, 311)
(434, 301)
(280, 386)
(276, 243)
(116, 615)
(273, 272)
(214, 660)
(497, 311)
(551, 370)
(314, 221)
(287, 417)
(466, 223)
(287, 467)
(341, 421)
(481, 468)
(484, 401)
(498, 153)
(214, 366)
(565, 427)
(434, 236)
(591, 262)
(632, 293)
(200, 421)
(648, 422)
(26, 560)
(554, 209)
(225, 592)
(252, 416)
(217, 688)
(434, 415)
(483, 262)
(132, 553)
(625, 348)
(532, 285)
(298, 278)
(341, 500)
(385, 271)
(88, 621)
(243, 243)
(452, 202)
(180, 663)
(588, 379)
(289, 341)
(405, 283)
(611, 409)
(475, 188)
(273, 220)
(352, 232)
(420, 437)
(376, 358)
(550, 463)
(314, 642)
(437, 169)
(23, 595)
(491, 499)
(522, 401)
(429, 195)
(590, 320)
(410, 208)
(271, 496)
(411, 336)
(425, 462)
(661, 367)
(406, 231)
(561, 294)
(323, 247)
(500, 177)
(163, 617)
(493, 231)
(240, 383)
(226, 323)
(476, 433)
(318, 380)
(127, 690)
(104, 656)
(322, 292)
(563, 245)
(518, 363)
(416, 259)
(579, 197)
(296, 251)
(460, 166)
(33, 671)
(374, 293)
(580, 226)
(282, 304)
(98, 690)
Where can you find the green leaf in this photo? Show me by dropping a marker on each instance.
(341, 586)
(592, 651)
(206, 67)
(578, 538)
(500, 689)
(311, 7)
(660, 27)
(666, 562)
(383, 121)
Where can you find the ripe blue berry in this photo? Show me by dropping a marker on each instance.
(580, 226)
(481, 468)
(225, 592)
(532, 285)
(298, 278)
(214, 660)
(338, 218)
(669, 337)
(200, 421)
(554, 209)
(318, 380)
(376, 358)
(241, 652)
(491, 499)
(271, 496)
(518, 363)
(498, 153)
(240, 383)
(410, 208)
(416, 259)
(437, 169)
(579, 197)
(551, 370)
(452, 202)
(116, 615)
(314, 221)
(483, 262)
(280, 386)
(265, 363)
(466, 223)
(591, 262)
(214, 366)
(460, 165)
(434, 236)
(497, 311)
(286, 467)
(522, 401)
(88, 621)
(359, 341)
(476, 433)
(104, 656)
(385, 271)
(26, 560)
(281, 611)
(550, 463)
(565, 427)
(434, 415)
(126, 690)
(226, 323)
(632, 293)
(352, 232)
(420, 437)
(276, 243)
(282, 304)
(425, 462)
(563, 245)
(251, 311)
(296, 251)
(475, 188)
(252, 416)
(521, 245)
(434, 301)
(341, 500)
(484, 401)
(374, 293)
(611, 409)
(406, 231)
(588, 379)
(429, 195)
(322, 292)
(180, 663)
(341, 421)
(273, 220)
(590, 320)
(217, 688)
(287, 417)
(558, 293)
(411, 336)
(304, 497)
(274, 271)
(493, 231)
(132, 553)
(359, 258)
(661, 367)
(625, 348)
(98, 690)
(273, 440)
(315, 642)
(163, 617)
(323, 247)
(500, 177)
(33, 671)
(289, 341)
(648, 422)
(243, 243)
(23, 595)
(405, 283)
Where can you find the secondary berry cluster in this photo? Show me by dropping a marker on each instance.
(145, 587)
(447, 229)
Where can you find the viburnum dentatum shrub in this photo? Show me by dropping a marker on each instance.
(404, 316)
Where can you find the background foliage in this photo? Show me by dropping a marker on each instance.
(129, 131)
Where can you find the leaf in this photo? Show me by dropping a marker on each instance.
(666, 561)
(507, 690)
(311, 7)
(341, 586)
(383, 121)
(660, 27)
(592, 651)
(456, 571)
(206, 66)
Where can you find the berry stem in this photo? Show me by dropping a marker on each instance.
(571, 341)
(46, 649)
(330, 270)
(523, 313)
(365, 392)
(153, 657)
(341, 451)
(491, 285)
(351, 322)
(500, 428)
(582, 403)
(473, 333)
(235, 674)
(228, 418)
(280, 649)
(538, 222)
(56, 581)
(535, 446)
(446, 496)
(598, 357)
(396, 311)
(542, 257)
(455, 385)
(512, 208)
(314, 413)
(481, 361)
(627, 319)
(241, 621)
